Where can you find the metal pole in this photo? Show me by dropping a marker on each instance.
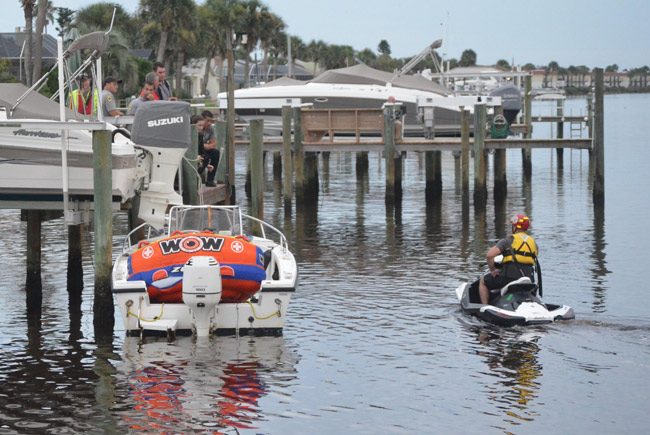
(64, 134)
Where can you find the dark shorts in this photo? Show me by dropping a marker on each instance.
(496, 282)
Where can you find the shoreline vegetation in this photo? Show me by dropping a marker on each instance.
(177, 31)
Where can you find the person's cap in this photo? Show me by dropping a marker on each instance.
(110, 79)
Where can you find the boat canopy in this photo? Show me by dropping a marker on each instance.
(34, 106)
(284, 81)
(362, 74)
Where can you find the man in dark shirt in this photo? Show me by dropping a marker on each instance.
(209, 152)
(519, 252)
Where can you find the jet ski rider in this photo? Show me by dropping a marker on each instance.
(519, 252)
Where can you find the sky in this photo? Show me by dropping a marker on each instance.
(570, 32)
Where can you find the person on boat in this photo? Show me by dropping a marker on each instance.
(145, 96)
(109, 88)
(519, 252)
(80, 99)
(164, 89)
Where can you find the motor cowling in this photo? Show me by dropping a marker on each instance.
(202, 290)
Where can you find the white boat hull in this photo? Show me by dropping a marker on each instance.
(30, 166)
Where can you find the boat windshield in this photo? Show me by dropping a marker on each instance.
(199, 218)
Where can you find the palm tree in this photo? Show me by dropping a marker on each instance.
(212, 41)
(271, 32)
(116, 60)
(251, 27)
(228, 17)
(41, 16)
(163, 17)
(278, 47)
(28, 11)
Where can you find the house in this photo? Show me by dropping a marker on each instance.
(12, 47)
(194, 74)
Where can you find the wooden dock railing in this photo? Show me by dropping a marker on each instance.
(317, 123)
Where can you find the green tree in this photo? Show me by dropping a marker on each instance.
(166, 18)
(611, 68)
(5, 73)
(367, 56)
(384, 48)
(528, 67)
(116, 61)
(42, 10)
(503, 64)
(64, 20)
(28, 12)
(271, 33)
(467, 58)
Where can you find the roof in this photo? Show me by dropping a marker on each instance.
(11, 44)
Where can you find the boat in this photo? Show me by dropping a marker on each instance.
(202, 273)
(354, 87)
(519, 303)
(485, 81)
(46, 150)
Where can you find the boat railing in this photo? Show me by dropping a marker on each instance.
(264, 226)
(151, 230)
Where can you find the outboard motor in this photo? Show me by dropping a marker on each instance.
(163, 129)
(202, 290)
(511, 100)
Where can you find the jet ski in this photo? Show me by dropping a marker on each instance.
(518, 303)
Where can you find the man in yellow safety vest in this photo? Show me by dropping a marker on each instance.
(80, 100)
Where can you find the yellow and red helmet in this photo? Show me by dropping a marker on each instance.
(520, 222)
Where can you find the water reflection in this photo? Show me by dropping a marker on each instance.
(599, 266)
(195, 385)
(512, 355)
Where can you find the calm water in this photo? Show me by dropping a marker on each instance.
(374, 340)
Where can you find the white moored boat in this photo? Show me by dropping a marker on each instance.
(204, 274)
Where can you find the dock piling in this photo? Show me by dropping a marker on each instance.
(560, 134)
(433, 171)
(500, 178)
(103, 310)
(33, 283)
(598, 151)
(189, 174)
(298, 154)
(287, 159)
(393, 181)
(256, 161)
(480, 189)
(526, 153)
(464, 152)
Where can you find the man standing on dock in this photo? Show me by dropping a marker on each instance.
(164, 89)
(145, 96)
(109, 88)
